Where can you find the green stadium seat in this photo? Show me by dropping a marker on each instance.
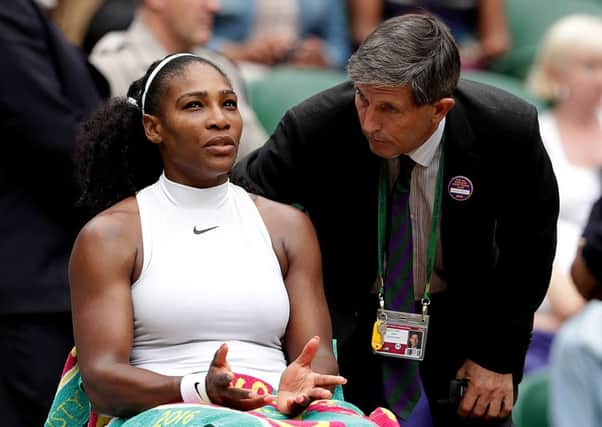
(507, 83)
(528, 20)
(531, 409)
(283, 87)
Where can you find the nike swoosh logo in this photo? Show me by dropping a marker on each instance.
(195, 231)
(196, 388)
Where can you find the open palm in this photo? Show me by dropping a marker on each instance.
(299, 385)
(221, 391)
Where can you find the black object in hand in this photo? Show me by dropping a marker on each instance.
(456, 391)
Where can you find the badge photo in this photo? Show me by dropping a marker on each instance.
(401, 335)
(403, 341)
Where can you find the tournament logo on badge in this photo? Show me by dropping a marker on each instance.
(460, 188)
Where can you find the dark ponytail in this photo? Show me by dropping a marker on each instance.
(114, 158)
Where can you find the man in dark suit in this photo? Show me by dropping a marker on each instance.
(45, 90)
(499, 204)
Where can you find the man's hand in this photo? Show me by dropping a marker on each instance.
(221, 391)
(299, 385)
(488, 394)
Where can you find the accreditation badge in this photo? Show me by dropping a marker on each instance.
(398, 334)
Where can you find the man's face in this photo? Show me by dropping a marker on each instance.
(391, 121)
(190, 21)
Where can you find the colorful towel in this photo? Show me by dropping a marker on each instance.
(71, 408)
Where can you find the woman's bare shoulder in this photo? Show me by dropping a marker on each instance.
(118, 223)
(280, 214)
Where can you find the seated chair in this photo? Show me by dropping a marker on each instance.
(284, 87)
(505, 82)
(531, 409)
(72, 408)
(528, 21)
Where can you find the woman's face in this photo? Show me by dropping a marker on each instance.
(199, 127)
(581, 77)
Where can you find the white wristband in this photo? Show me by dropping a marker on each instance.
(192, 388)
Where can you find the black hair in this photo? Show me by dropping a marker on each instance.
(114, 158)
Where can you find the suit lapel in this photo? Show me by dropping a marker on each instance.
(463, 193)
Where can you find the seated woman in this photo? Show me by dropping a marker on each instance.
(567, 73)
(182, 278)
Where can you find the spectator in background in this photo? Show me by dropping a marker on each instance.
(576, 364)
(568, 73)
(311, 33)
(586, 269)
(45, 90)
(161, 27)
(479, 26)
(73, 17)
(112, 15)
(364, 16)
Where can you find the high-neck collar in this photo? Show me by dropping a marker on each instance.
(193, 197)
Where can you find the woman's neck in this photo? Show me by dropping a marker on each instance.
(196, 180)
(580, 134)
(577, 113)
(192, 196)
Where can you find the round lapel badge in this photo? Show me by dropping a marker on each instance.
(460, 188)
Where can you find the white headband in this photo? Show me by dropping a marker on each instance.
(152, 76)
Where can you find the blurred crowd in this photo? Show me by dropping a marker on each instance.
(50, 84)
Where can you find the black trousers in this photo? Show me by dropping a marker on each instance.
(443, 359)
(33, 350)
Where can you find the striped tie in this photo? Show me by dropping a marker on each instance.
(400, 376)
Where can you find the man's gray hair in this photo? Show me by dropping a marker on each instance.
(413, 49)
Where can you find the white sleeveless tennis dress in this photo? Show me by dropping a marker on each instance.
(210, 275)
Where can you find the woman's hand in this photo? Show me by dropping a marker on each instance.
(299, 385)
(221, 391)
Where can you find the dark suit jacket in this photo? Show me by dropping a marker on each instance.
(497, 246)
(592, 249)
(46, 89)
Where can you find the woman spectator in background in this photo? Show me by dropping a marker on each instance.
(568, 74)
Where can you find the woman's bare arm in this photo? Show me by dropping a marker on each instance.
(364, 15)
(106, 258)
(295, 242)
(494, 38)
